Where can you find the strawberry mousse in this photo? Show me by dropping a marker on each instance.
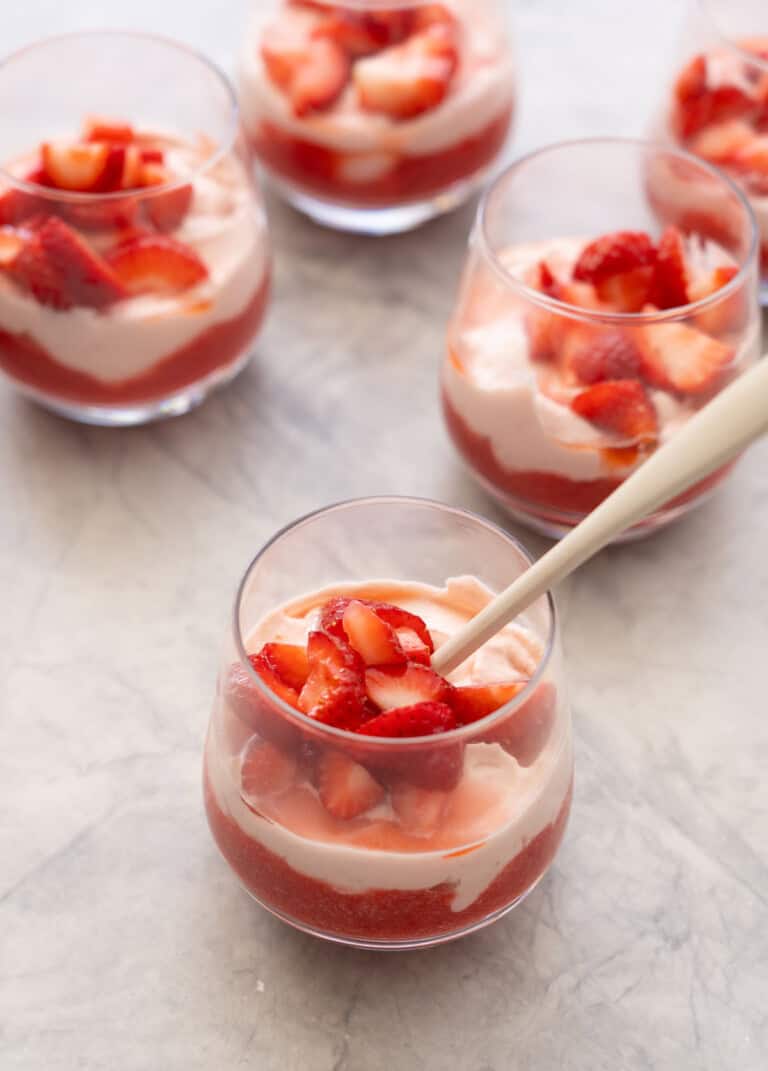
(133, 272)
(374, 107)
(403, 808)
(719, 111)
(558, 385)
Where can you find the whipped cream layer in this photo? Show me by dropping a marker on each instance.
(224, 226)
(517, 802)
(482, 89)
(491, 381)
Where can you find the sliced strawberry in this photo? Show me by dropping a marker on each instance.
(700, 104)
(157, 264)
(321, 78)
(409, 79)
(16, 206)
(334, 692)
(720, 143)
(545, 329)
(419, 810)
(33, 271)
(752, 162)
(254, 709)
(151, 155)
(670, 274)
(87, 278)
(472, 702)
(274, 680)
(289, 662)
(406, 686)
(526, 731)
(346, 789)
(283, 48)
(374, 640)
(110, 130)
(621, 406)
(592, 355)
(420, 719)
(413, 647)
(167, 209)
(679, 358)
(360, 33)
(265, 770)
(84, 167)
(730, 314)
(614, 254)
(118, 214)
(11, 244)
(332, 614)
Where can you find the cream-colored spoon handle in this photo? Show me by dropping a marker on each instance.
(718, 432)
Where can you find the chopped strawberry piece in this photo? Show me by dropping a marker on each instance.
(592, 355)
(527, 729)
(321, 78)
(406, 686)
(118, 214)
(700, 104)
(11, 244)
(475, 701)
(334, 692)
(332, 614)
(419, 810)
(545, 329)
(265, 668)
(670, 273)
(33, 270)
(614, 254)
(167, 209)
(87, 278)
(411, 78)
(360, 33)
(374, 640)
(679, 358)
(420, 719)
(265, 770)
(157, 264)
(620, 406)
(626, 291)
(151, 155)
(414, 648)
(254, 709)
(283, 48)
(114, 130)
(16, 206)
(752, 161)
(346, 789)
(730, 314)
(87, 167)
(720, 143)
(289, 662)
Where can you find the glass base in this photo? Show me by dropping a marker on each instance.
(394, 219)
(131, 414)
(403, 945)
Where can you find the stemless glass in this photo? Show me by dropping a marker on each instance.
(487, 803)
(511, 397)
(717, 104)
(374, 116)
(134, 256)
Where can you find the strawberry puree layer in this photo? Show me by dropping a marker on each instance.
(384, 914)
(214, 348)
(343, 177)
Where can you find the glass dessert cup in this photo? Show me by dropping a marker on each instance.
(454, 828)
(717, 103)
(376, 116)
(581, 339)
(134, 255)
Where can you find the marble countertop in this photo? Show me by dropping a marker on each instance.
(125, 943)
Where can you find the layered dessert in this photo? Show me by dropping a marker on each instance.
(560, 383)
(429, 813)
(719, 110)
(371, 106)
(133, 266)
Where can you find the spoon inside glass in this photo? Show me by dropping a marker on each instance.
(718, 432)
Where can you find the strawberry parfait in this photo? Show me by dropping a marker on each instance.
(570, 359)
(718, 104)
(134, 264)
(374, 117)
(359, 795)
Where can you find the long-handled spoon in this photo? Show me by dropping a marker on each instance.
(718, 432)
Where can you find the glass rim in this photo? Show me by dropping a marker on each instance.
(384, 742)
(80, 197)
(576, 312)
(729, 42)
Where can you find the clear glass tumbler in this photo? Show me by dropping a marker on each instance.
(134, 255)
(455, 828)
(717, 103)
(373, 116)
(554, 388)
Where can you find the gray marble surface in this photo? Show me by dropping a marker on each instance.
(125, 943)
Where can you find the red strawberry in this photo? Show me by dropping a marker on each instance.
(414, 648)
(593, 355)
(406, 686)
(334, 692)
(346, 789)
(274, 680)
(614, 254)
(475, 701)
(670, 274)
(16, 206)
(110, 130)
(545, 329)
(157, 264)
(321, 78)
(118, 213)
(359, 33)
(11, 244)
(699, 104)
(419, 810)
(283, 48)
(289, 662)
(87, 167)
(679, 358)
(626, 291)
(373, 639)
(265, 770)
(33, 270)
(720, 143)
(151, 156)
(731, 313)
(420, 719)
(87, 278)
(411, 78)
(332, 614)
(167, 209)
(525, 732)
(254, 709)
(621, 406)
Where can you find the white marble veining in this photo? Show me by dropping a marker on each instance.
(125, 943)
